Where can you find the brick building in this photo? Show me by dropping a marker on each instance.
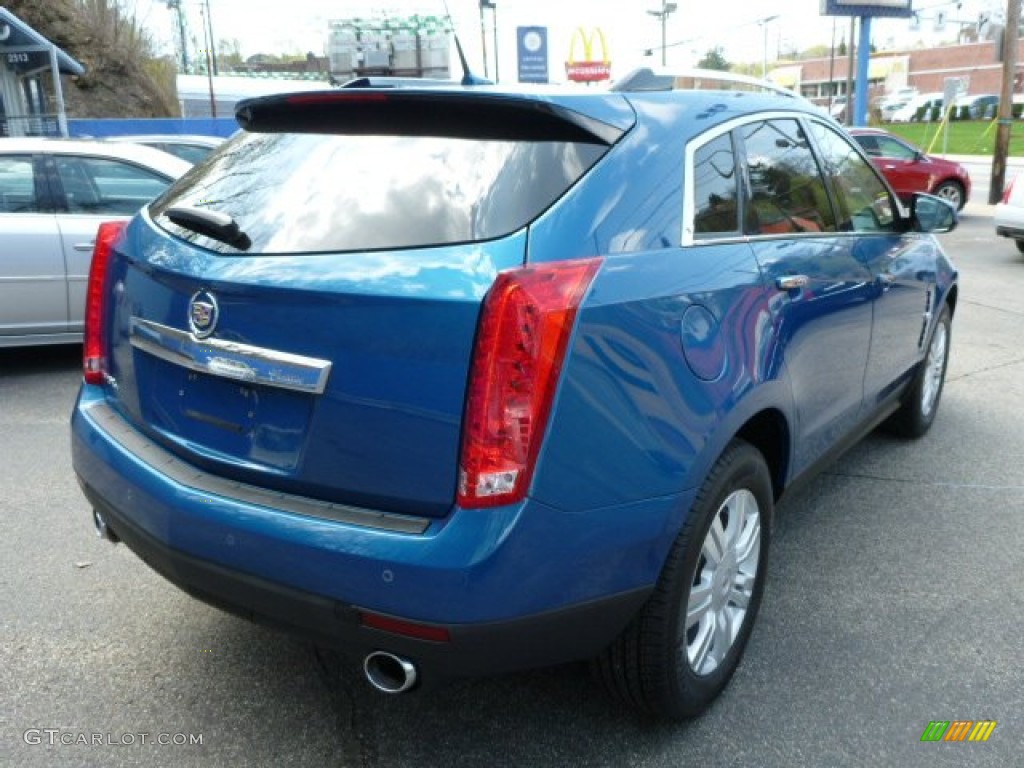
(925, 69)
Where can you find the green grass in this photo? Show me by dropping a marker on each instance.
(966, 137)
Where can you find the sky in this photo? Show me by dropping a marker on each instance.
(696, 27)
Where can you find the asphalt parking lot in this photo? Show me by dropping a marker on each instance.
(893, 599)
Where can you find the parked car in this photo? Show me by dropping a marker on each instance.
(891, 102)
(979, 106)
(912, 110)
(838, 108)
(1009, 213)
(53, 196)
(192, 148)
(909, 170)
(470, 380)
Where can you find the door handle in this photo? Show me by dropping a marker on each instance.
(84, 246)
(792, 282)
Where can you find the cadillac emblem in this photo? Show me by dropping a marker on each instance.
(203, 313)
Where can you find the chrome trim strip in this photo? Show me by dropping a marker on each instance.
(230, 359)
(162, 461)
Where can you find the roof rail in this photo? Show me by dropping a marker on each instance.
(647, 79)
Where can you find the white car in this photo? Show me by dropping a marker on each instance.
(838, 108)
(54, 193)
(1009, 215)
(893, 101)
(190, 147)
(908, 112)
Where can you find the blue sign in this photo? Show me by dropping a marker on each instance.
(890, 8)
(532, 50)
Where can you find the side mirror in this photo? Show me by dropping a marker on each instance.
(929, 213)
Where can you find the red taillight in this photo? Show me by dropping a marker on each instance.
(341, 97)
(527, 319)
(94, 348)
(408, 628)
(1009, 190)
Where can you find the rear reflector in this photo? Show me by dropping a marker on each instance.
(1009, 190)
(348, 97)
(527, 319)
(94, 346)
(406, 628)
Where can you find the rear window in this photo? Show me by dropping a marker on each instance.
(307, 193)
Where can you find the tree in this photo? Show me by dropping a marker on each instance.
(714, 59)
(229, 54)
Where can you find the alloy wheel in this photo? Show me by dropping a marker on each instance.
(723, 582)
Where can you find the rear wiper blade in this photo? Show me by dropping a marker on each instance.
(202, 221)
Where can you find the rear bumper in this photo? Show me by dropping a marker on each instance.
(516, 587)
(1009, 221)
(577, 632)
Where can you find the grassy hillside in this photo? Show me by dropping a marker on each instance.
(966, 137)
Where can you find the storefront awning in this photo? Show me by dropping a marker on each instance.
(15, 33)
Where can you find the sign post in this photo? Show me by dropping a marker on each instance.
(865, 10)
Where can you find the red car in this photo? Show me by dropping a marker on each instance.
(910, 170)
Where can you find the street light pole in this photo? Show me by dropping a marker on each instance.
(484, 4)
(666, 9)
(764, 59)
(494, 23)
(175, 5)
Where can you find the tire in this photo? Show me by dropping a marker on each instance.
(921, 402)
(1020, 245)
(952, 192)
(674, 660)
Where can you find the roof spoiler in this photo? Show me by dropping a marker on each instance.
(646, 79)
(427, 112)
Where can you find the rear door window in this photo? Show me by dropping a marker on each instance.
(17, 185)
(716, 190)
(787, 191)
(891, 148)
(306, 193)
(100, 185)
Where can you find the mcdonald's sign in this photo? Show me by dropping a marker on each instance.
(588, 69)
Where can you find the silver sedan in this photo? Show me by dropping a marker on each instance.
(53, 195)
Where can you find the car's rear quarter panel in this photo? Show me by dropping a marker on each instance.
(633, 420)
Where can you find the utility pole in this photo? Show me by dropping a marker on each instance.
(207, 32)
(666, 9)
(213, 44)
(995, 191)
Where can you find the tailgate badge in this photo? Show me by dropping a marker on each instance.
(203, 313)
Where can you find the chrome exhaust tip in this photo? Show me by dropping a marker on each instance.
(389, 673)
(102, 529)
